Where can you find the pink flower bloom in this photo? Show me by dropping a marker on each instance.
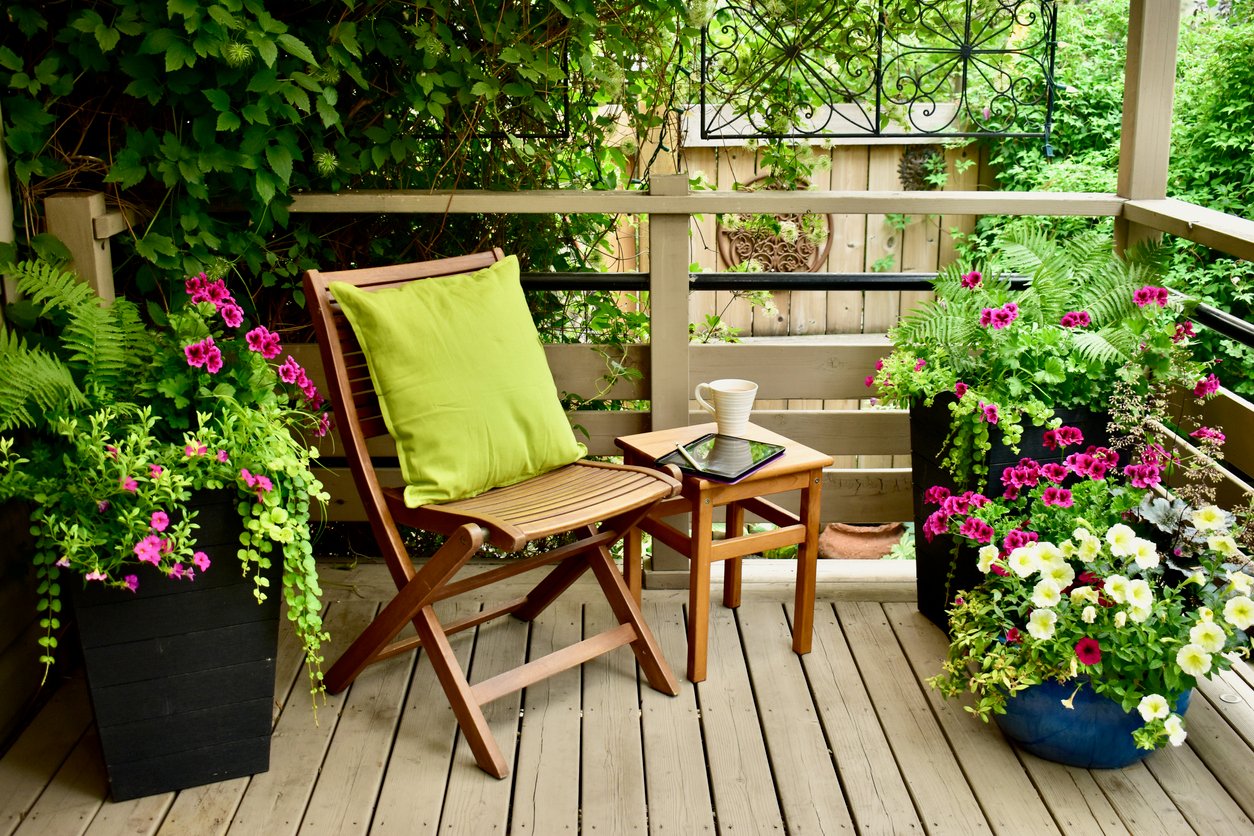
(990, 412)
(879, 364)
(870, 380)
(324, 425)
(160, 521)
(1208, 434)
(935, 495)
(96, 576)
(1209, 385)
(986, 317)
(218, 294)
(112, 451)
(998, 569)
(102, 505)
(1143, 475)
(195, 448)
(149, 549)
(936, 523)
(264, 341)
(1088, 651)
(1184, 330)
(64, 562)
(960, 389)
(264, 485)
(1150, 295)
(1017, 538)
(132, 582)
(155, 471)
(178, 572)
(290, 369)
(249, 479)
(223, 457)
(201, 560)
(918, 366)
(1057, 496)
(1054, 472)
(971, 280)
(976, 529)
(128, 484)
(232, 314)
(1076, 319)
(195, 285)
(1012, 635)
(195, 353)
(213, 359)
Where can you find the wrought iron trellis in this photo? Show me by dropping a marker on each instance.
(814, 69)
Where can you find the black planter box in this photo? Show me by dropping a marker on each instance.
(181, 673)
(941, 573)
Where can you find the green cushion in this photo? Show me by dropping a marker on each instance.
(466, 391)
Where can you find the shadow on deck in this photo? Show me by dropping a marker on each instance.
(848, 738)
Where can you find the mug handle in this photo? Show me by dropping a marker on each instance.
(697, 394)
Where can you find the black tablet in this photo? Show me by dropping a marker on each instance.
(724, 458)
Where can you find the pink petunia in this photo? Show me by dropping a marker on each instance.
(194, 449)
(132, 582)
(870, 380)
(155, 471)
(201, 560)
(1088, 651)
(149, 549)
(128, 484)
(223, 457)
(918, 366)
(879, 364)
(64, 562)
(1013, 636)
(160, 521)
(178, 572)
(990, 412)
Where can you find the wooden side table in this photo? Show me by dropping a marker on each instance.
(799, 469)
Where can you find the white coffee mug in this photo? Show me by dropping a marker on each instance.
(732, 402)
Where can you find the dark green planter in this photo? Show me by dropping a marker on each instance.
(181, 673)
(940, 572)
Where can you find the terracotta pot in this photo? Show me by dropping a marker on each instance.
(859, 542)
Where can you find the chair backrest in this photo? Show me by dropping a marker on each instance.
(353, 398)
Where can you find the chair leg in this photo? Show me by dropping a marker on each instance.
(461, 699)
(645, 646)
(557, 581)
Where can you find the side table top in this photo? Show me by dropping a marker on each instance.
(646, 447)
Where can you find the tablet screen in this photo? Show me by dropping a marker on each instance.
(724, 456)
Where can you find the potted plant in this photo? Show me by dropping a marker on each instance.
(136, 447)
(1101, 602)
(988, 367)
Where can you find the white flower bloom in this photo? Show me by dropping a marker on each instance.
(1145, 553)
(1046, 594)
(1060, 573)
(1239, 612)
(1193, 660)
(1153, 707)
(1116, 587)
(1205, 614)
(1089, 615)
(1022, 561)
(1081, 534)
(1089, 550)
(1224, 544)
(1041, 623)
(1120, 538)
(1139, 614)
(1174, 726)
(1241, 582)
(1084, 595)
(1121, 618)
(1069, 549)
(987, 555)
(1047, 554)
(1139, 594)
(1210, 518)
(1209, 636)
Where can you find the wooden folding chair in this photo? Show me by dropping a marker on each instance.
(599, 502)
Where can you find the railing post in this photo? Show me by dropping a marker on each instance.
(7, 236)
(1149, 85)
(668, 343)
(79, 221)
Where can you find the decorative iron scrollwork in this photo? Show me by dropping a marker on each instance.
(795, 249)
(810, 69)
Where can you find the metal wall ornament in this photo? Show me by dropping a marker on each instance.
(815, 69)
(791, 250)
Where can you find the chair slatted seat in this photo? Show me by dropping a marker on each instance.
(597, 503)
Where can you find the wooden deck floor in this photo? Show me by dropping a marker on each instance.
(845, 739)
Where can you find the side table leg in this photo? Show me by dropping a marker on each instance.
(807, 564)
(699, 588)
(732, 566)
(633, 562)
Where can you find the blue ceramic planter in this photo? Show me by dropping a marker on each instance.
(1096, 734)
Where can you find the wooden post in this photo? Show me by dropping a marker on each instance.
(668, 344)
(7, 236)
(74, 218)
(1149, 85)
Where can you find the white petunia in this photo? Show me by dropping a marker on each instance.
(1060, 573)
(1153, 707)
(1046, 593)
(1089, 614)
(1209, 518)
(1139, 614)
(1116, 587)
(1145, 553)
(1084, 595)
(1240, 581)
(987, 555)
(1120, 538)
(1022, 561)
(1041, 623)
(1205, 614)
(1089, 550)
(1139, 594)
(1121, 618)
(1223, 544)
(1193, 660)
(1081, 534)
(1239, 612)
(1209, 636)
(1047, 554)
(1174, 726)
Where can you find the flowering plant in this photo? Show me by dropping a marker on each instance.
(1094, 579)
(108, 425)
(1087, 324)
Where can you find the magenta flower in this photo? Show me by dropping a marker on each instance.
(1057, 496)
(976, 529)
(1001, 318)
(128, 484)
(63, 562)
(324, 425)
(160, 521)
(1062, 437)
(1017, 538)
(918, 366)
(1208, 434)
(149, 549)
(1076, 319)
(132, 582)
(223, 457)
(870, 380)
(1088, 651)
(879, 364)
(178, 572)
(986, 317)
(1150, 295)
(196, 354)
(218, 294)
(1143, 475)
(96, 576)
(264, 341)
(1206, 386)
(194, 449)
(990, 412)
(936, 494)
(102, 505)
(290, 370)
(232, 314)
(195, 286)
(1012, 635)
(971, 280)
(1184, 330)
(960, 389)
(201, 560)
(1054, 472)
(213, 359)
(155, 471)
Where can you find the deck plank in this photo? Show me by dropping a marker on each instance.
(1225, 755)
(412, 796)
(676, 782)
(873, 785)
(1196, 792)
(1005, 792)
(546, 777)
(1233, 698)
(74, 796)
(37, 755)
(476, 803)
(1078, 805)
(933, 775)
(1143, 805)
(612, 784)
(809, 789)
(274, 801)
(740, 771)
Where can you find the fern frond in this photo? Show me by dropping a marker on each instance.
(35, 382)
(1103, 347)
(52, 287)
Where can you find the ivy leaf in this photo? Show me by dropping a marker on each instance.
(280, 160)
(264, 184)
(9, 59)
(107, 37)
(179, 55)
(153, 245)
(128, 169)
(220, 100)
(296, 47)
(186, 8)
(228, 122)
(223, 16)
